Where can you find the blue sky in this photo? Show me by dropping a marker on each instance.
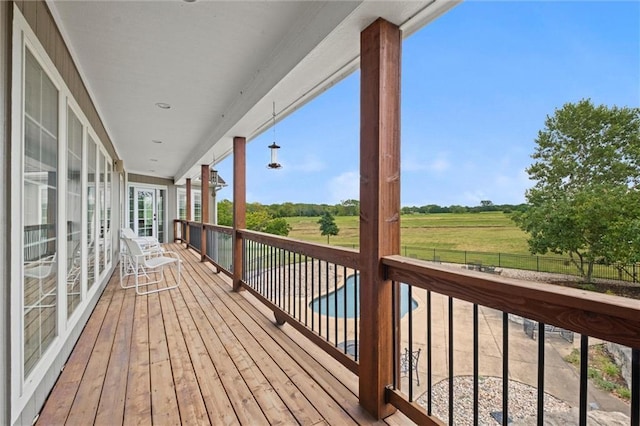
(477, 85)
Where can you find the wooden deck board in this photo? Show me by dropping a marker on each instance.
(68, 383)
(137, 410)
(293, 389)
(85, 405)
(197, 354)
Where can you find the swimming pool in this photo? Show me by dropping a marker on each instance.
(326, 305)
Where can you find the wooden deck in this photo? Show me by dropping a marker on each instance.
(198, 354)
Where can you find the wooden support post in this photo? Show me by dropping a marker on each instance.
(379, 206)
(239, 206)
(187, 236)
(204, 196)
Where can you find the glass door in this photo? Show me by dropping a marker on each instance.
(148, 212)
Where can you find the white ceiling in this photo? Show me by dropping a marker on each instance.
(219, 64)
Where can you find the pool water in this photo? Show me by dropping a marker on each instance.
(326, 304)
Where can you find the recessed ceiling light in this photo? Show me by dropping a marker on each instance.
(189, 1)
(155, 160)
(163, 105)
(156, 141)
(152, 171)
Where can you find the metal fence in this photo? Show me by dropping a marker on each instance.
(558, 265)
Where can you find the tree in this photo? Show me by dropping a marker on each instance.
(278, 226)
(225, 213)
(585, 201)
(328, 225)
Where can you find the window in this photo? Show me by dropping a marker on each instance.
(107, 212)
(182, 204)
(40, 189)
(101, 214)
(91, 211)
(74, 212)
(196, 196)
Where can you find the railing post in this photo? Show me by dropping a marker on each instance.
(380, 45)
(239, 206)
(187, 236)
(204, 200)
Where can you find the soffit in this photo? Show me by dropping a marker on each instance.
(220, 65)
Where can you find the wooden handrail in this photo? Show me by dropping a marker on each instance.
(340, 255)
(612, 318)
(219, 228)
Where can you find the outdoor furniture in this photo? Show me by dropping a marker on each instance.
(149, 244)
(409, 361)
(134, 261)
(531, 329)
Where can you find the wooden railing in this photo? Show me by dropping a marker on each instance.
(587, 314)
(288, 276)
(312, 287)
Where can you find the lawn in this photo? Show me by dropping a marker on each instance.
(484, 232)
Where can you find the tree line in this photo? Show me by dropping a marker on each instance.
(349, 208)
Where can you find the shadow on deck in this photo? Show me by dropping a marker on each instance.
(198, 354)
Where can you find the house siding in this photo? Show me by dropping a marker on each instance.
(40, 20)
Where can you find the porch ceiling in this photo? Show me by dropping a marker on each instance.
(220, 65)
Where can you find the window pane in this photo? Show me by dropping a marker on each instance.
(91, 211)
(160, 211)
(107, 201)
(197, 206)
(74, 211)
(40, 189)
(182, 204)
(131, 208)
(101, 215)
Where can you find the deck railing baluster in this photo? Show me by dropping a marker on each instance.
(476, 363)
(541, 338)
(584, 374)
(450, 317)
(505, 369)
(635, 387)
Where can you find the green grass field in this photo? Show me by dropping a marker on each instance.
(483, 232)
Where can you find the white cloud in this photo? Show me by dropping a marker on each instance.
(309, 163)
(344, 187)
(473, 198)
(437, 164)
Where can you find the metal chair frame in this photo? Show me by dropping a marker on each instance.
(134, 261)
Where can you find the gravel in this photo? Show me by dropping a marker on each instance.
(522, 400)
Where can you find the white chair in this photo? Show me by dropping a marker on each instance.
(141, 266)
(148, 244)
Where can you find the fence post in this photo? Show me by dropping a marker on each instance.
(537, 263)
(465, 257)
(499, 260)
(434, 254)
